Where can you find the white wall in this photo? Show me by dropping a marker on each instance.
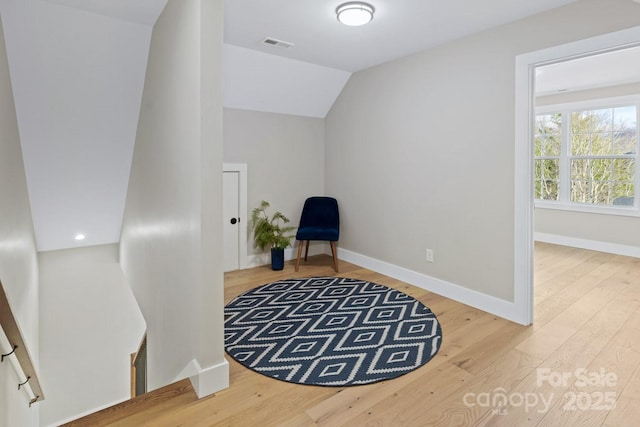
(420, 151)
(171, 244)
(284, 156)
(594, 231)
(18, 257)
(90, 325)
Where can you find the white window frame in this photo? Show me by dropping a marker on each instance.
(564, 202)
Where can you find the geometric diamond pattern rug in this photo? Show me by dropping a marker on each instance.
(330, 331)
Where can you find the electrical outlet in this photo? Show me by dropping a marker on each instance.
(429, 255)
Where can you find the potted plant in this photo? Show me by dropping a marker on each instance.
(271, 231)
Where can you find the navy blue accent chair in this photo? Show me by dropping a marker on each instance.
(320, 220)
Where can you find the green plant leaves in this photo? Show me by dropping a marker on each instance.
(270, 231)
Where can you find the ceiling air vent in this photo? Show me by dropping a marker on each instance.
(276, 42)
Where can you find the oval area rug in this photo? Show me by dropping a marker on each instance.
(330, 331)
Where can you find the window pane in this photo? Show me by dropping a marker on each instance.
(549, 124)
(553, 146)
(625, 118)
(580, 145)
(602, 149)
(548, 134)
(624, 142)
(602, 181)
(580, 122)
(546, 189)
(592, 132)
(546, 173)
(538, 147)
(601, 143)
(600, 192)
(624, 170)
(593, 192)
(601, 120)
(580, 191)
(547, 146)
(547, 169)
(601, 169)
(621, 191)
(580, 169)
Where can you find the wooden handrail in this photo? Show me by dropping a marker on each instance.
(134, 366)
(12, 331)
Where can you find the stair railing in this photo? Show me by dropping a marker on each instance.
(13, 349)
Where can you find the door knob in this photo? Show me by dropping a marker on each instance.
(233, 221)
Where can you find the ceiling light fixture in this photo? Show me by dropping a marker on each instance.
(355, 13)
(80, 237)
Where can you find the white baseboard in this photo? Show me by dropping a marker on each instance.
(210, 380)
(89, 412)
(505, 309)
(192, 368)
(593, 245)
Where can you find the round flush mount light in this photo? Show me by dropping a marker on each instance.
(355, 13)
(80, 236)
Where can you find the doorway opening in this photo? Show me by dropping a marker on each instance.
(526, 66)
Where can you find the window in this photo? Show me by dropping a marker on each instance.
(586, 156)
(548, 143)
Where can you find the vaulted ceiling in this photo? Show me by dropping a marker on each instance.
(78, 67)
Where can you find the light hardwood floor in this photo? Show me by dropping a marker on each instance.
(587, 317)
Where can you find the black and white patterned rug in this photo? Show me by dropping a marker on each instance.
(330, 331)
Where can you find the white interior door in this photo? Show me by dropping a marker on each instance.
(231, 220)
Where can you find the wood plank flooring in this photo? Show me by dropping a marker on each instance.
(587, 317)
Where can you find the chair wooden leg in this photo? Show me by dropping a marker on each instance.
(306, 252)
(334, 252)
(299, 254)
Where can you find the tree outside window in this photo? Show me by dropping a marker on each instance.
(548, 143)
(599, 149)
